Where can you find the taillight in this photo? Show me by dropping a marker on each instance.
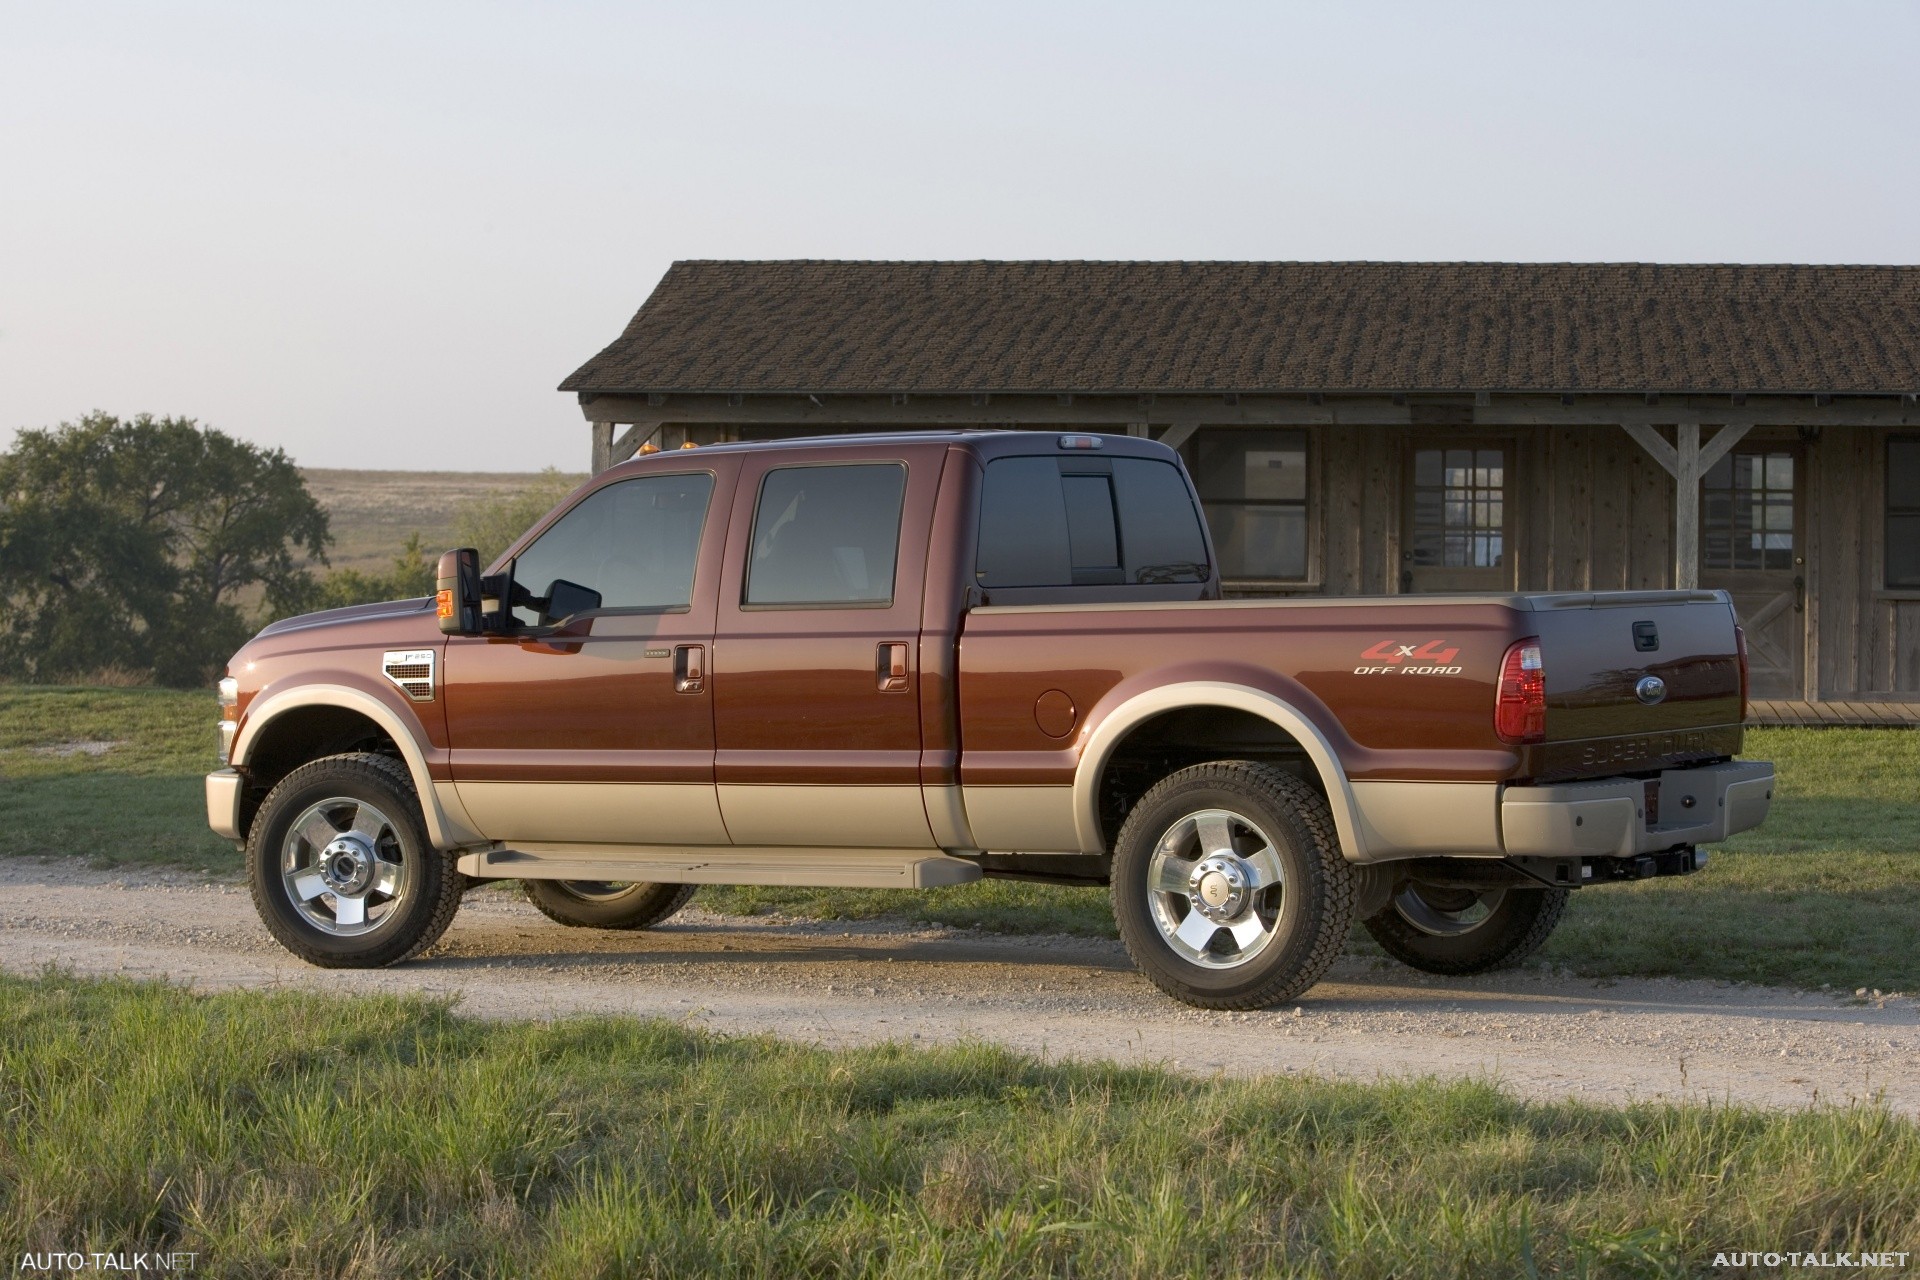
(1520, 712)
(1740, 648)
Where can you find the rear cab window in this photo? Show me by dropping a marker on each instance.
(826, 537)
(1058, 523)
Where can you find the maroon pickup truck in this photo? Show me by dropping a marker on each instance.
(914, 660)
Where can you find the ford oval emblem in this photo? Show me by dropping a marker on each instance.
(1650, 690)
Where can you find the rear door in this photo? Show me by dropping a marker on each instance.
(816, 649)
(1752, 545)
(599, 730)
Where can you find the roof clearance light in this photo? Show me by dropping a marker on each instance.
(1079, 442)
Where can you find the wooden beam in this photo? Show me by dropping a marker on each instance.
(602, 446)
(1717, 448)
(1655, 444)
(1176, 435)
(1686, 506)
(630, 441)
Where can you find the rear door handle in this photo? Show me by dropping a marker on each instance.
(689, 668)
(890, 665)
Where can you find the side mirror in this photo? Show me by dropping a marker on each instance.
(457, 594)
(564, 599)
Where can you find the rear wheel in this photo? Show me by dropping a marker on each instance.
(1458, 930)
(1229, 887)
(341, 869)
(606, 904)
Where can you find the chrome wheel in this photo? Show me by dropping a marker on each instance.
(1446, 913)
(1216, 889)
(343, 868)
(596, 890)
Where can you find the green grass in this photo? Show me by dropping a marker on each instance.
(290, 1133)
(139, 802)
(1827, 892)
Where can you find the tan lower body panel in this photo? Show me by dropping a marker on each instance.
(849, 868)
(669, 813)
(826, 816)
(1428, 819)
(1022, 819)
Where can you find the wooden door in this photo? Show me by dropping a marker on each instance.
(1457, 534)
(1753, 545)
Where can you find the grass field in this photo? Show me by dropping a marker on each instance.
(276, 1134)
(1826, 892)
(372, 513)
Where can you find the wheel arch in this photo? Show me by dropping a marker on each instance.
(329, 714)
(1111, 735)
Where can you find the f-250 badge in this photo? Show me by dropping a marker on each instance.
(1433, 658)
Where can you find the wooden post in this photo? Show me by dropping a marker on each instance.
(1687, 461)
(1686, 506)
(602, 446)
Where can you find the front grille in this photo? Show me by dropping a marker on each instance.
(411, 670)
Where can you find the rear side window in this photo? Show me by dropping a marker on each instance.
(826, 535)
(1052, 522)
(631, 545)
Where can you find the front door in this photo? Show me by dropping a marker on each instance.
(597, 727)
(1752, 545)
(816, 651)
(1455, 536)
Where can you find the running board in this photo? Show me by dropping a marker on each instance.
(837, 868)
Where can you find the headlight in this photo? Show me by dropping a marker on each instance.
(229, 704)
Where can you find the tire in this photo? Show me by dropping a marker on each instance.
(1459, 931)
(595, 904)
(1249, 923)
(381, 893)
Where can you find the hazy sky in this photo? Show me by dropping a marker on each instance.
(379, 235)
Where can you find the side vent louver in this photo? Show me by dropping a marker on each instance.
(412, 670)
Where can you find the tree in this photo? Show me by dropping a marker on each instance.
(135, 543)
(502, 515)
(412, 575)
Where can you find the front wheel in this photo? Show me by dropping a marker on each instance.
(1457, 931)
(606, 904)
(343, 874)
(1229, 887)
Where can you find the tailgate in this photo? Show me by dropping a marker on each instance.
(1638, 677)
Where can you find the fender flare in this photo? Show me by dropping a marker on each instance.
(444, 830)
(1211, 693)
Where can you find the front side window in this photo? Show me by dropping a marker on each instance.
(1746, 512)
(631, 545)
(826, 535)
(1903, 512)
(1059, 522)
(1254, 484)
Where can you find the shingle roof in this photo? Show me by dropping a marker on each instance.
(1266, 326)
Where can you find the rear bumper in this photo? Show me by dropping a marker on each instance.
(223, 803)
(1608, 817)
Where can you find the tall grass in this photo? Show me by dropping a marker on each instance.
(282, 1133)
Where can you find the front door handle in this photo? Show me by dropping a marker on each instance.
(689, 668)
(890, 665)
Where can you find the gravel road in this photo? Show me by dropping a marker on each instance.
(842, 984)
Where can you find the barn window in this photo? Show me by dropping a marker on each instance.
(1253, 483)
(1903, 512)
(1459, 508)
(1746, 516)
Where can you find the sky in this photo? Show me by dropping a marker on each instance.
(380, 235)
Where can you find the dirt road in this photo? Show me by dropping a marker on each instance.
(839, 984)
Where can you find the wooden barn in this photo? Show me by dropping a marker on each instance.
(1368, 427)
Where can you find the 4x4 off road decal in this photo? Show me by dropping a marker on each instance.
(1392, 658)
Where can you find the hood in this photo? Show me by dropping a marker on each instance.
(352, 613)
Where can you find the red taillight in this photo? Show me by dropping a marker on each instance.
(1520, 712)
(1740, 648)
